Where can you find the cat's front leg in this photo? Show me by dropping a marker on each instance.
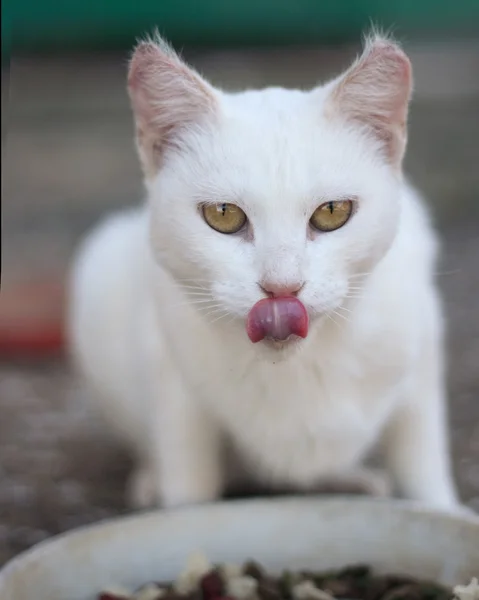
(416, 440)
(184, 461)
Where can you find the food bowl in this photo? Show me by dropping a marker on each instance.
(391, 536)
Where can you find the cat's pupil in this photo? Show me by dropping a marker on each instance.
(223, 209)
(331, 207)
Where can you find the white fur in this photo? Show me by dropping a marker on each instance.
(159, 301)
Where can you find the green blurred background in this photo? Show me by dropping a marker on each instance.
(32, 25)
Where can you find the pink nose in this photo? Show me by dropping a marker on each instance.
(280, 290)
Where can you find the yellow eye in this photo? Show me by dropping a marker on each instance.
(225, 218)
(332, 215)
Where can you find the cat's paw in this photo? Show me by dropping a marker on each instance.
(176, 495)
(373, 482)
(361, 480)
(462, 510)
(145, 490)
(452, 506)
(142, 491)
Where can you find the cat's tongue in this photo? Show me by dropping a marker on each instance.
(277, 319)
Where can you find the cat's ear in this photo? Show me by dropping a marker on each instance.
(166, 96)
(374, 94)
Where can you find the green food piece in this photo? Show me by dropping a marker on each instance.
(355, 572)
(254, 569)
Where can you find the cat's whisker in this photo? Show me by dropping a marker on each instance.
(201, 304)
(213, 317)
(193, 283)
(357, 275)
(201, 294)
(206, 310)
(194, 279)
(192, 286)
(213, 307)
(233, 317)
(356, 295)
(195, 301)
(226, 313)
(198, 288)
(196, 292)
(341, 316)
(358, 292)
(333, 320)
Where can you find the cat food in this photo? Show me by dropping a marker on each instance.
(203, 581)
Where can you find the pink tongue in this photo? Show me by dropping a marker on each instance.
(277, 319)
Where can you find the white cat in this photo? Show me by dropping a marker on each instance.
(275, 295)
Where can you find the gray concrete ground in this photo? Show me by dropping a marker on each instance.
(68, 157)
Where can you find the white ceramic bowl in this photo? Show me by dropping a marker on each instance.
(286, 532)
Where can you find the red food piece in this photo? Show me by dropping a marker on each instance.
(110, 596)
(212, 586)
(277, 319)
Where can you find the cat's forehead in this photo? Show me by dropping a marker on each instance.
(267, 105)
(278, 134)
(269, 121)
(270, 97)
(275, 146)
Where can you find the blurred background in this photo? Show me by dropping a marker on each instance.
(68, 157)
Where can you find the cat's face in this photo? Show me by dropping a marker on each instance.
(234, 201)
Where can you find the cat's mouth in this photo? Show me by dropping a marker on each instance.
(277, 320)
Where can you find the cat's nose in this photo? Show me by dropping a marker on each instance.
(278, 290)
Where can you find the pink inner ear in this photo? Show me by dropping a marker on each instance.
(164, 88)
(165, 95)
(393, 71)
(375, 93)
